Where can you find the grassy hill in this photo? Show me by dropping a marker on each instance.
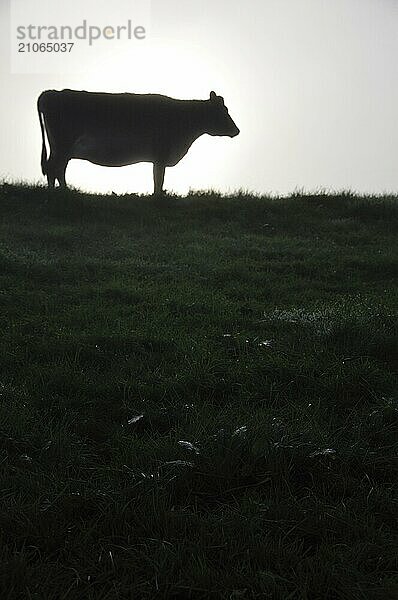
(198, 396)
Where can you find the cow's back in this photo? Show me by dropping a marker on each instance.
(118, 112)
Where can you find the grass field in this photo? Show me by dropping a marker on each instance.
(198, 396)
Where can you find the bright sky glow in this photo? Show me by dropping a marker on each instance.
(312, 85)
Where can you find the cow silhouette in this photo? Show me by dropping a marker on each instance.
(115, 130)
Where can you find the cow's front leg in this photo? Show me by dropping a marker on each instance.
(158, 178)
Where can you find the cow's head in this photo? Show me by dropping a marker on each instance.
(218, 121)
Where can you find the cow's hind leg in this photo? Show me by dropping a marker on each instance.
(50, 180)
(61, 174)
(56, 168)
(50, 171)
(158, 178)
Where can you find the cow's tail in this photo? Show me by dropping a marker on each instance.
(43, 137)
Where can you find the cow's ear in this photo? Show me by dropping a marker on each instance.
(213, 96)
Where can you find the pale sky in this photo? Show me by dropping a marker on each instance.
(312, 85)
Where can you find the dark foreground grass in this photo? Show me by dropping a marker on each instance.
(197, 396)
